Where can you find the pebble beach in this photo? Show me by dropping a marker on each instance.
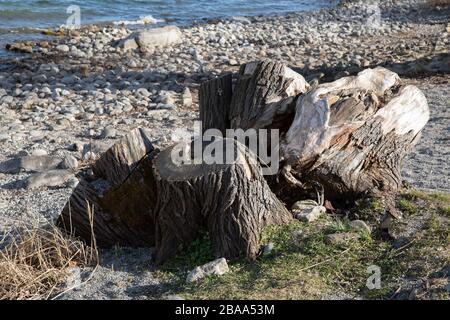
(68, 98)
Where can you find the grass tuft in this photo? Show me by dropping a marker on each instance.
(34, 263)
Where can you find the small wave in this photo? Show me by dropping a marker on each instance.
(141, 21)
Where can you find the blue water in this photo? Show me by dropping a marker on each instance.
(18, 16)
(47, 13)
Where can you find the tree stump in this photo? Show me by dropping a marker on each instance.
(351, 135)
(167, 204)
(232, 201)
(264, 96)
(214, 103)
(117, 204)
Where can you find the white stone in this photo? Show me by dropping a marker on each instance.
(187, 97)
(63, 48)
(158, 37)
(360, 225)
(128, 44)
(69, 162)
(30, 163)
(310, 214)
(216, 267)
(39, 152)
(52, 178)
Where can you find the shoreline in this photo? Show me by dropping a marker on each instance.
(76, 95)
(138, 26)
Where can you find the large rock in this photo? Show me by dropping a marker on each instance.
(158, 37)
(128, 44)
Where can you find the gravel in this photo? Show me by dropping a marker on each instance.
(82, 92)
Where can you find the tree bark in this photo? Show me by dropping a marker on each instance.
(214, 103)
(350, 136)
(264, 96)
(167, 204)
(231, 201)
(117, 204)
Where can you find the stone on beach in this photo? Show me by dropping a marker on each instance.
(150, 39)
(108, 133)
(359, 225)
(30, 163)
(216, 267)
(63, 48)
(340, 238)
(69, 162)
(128, 44)
(307, 210)
(51, 178)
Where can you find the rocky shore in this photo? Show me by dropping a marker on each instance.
(67, 100)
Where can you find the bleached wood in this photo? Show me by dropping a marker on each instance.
(352, 134)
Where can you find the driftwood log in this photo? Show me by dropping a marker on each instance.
(351, 135)
(348, 137)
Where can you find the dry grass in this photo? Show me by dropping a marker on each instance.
(34, 263)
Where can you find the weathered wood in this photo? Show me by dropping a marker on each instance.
(167, 204)
(264, 96)
(120, 199)
(231, 201)
(351, 135)
(214, 103)
(118, 162)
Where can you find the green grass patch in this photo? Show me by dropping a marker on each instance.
(407, 206)
(303, 265)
